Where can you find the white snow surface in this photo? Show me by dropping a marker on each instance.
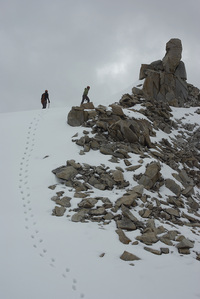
(44, 256)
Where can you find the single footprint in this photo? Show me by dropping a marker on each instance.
(52, 265)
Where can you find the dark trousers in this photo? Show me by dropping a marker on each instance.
(84, 97)
(44, 104)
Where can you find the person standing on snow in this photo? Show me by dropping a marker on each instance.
(85, 95)
(44, 99)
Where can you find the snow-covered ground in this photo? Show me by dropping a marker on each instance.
(43, 256)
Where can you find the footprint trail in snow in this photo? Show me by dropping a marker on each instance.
(29, 216)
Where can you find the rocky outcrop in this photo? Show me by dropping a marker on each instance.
(165, 80)
(99, 177)
(78, 115)
(139, 209)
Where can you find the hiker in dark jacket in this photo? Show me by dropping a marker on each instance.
(44, 99)
(85, 95)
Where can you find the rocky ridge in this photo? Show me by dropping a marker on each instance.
(128, 129)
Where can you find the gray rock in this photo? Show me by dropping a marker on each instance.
(148, 238)
(138, 189)
(88, 203)
(188, 191)
(145, 213)
(126, 200)
(97, 212)
(108, 216)
(76, 116)
(151, 176)
(171, 235)
(127, 213)
(185, 243)
(118, 176)
(117, 110)
(126, 223)
(173, 212)
(166, 241)
(164, 250)
(58, 211)
(146, 182)
(173, 55)
(154, 251)
(127, 256)
(173, 186)
(122, 237)
(67, 173)
(64, 201)
(79, 216)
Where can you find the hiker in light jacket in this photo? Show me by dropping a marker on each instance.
(85, 95)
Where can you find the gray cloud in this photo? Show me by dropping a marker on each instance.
(65, 45)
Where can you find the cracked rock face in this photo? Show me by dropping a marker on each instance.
(173, 55)
(165, 80)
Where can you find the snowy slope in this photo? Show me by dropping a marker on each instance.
(43, 256)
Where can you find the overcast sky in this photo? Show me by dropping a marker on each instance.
(65, 45)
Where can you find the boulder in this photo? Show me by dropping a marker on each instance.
(127, 213)
(67, 173)
(125, 223)
(173, 212)
(122, 237)
(117, 110)
(151, 176)
(64, 201)
(164, 250)
(118, 176)
(185, 243)
(154, 251)
(76, 117)
(148, 238)
(88, 203)
(126, 200)
(173, 186)
(127, 256)
(79, 216)
(97, 212)
(58, 211)
(89, 105)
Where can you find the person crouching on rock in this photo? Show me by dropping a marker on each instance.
(44, 99)
(85, 95)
